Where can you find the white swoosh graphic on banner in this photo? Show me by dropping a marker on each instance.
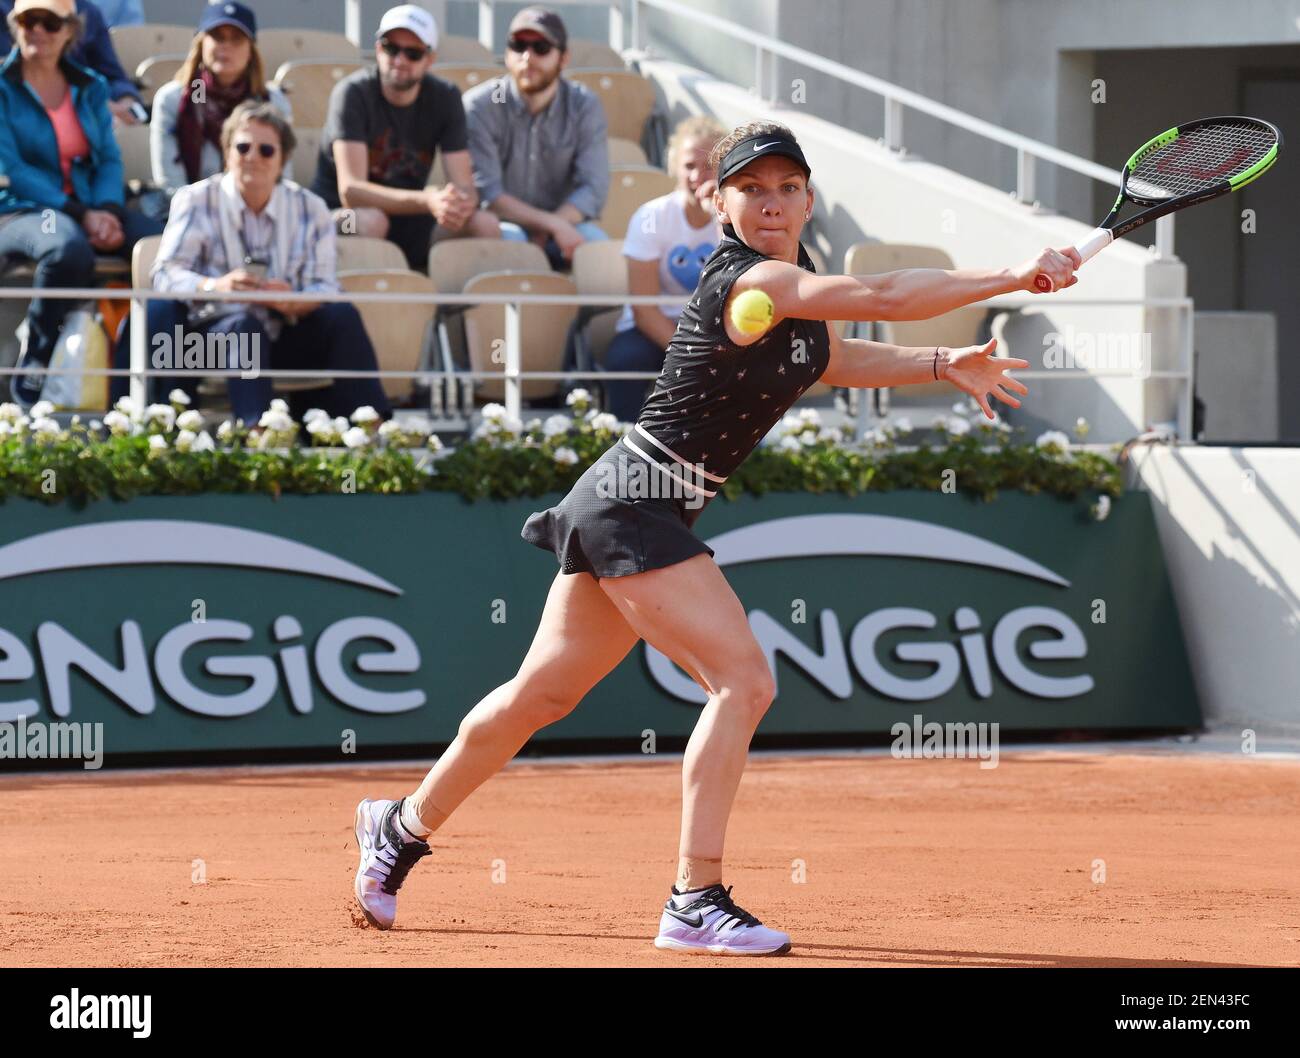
(810, 535)
(148, 542)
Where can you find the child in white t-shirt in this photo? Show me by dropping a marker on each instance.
(668, 240)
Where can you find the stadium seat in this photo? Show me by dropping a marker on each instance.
(399, 332)
(464, 50)
(466, 75)
(599, 268)
(592, 55)
(306, 154)
(628, 98)
(957, 328)
(308, 83)
(279, 46)
(543, 329)
(357, 252)
(133, 143)
(629, 188)
(134, 44)
(625, 152)
(156, 71)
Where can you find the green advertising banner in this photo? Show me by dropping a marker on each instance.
(239, 623)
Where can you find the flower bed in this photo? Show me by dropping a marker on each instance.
(164, 449)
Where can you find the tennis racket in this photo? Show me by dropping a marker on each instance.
(1182, 167)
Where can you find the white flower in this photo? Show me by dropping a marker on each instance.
(494, 411)
(566, 456)
(810, 415)
(901, 425)
(1054, 438)
(321, 427)
(605, 421)
(179, 396)
(556, 424)
(225, 431)
(276, 420)
(5, 427)
(189, 420)
(875, 437)
(44, 425)
(164, 414)
(315, 413)
(157, 443)
(1101, 508)
(1081, 429)
(420, 424)
(127, 407)
(389, 428)
(185, 440)
(829, 435)
(96, 425)
(434, 443)
(280, 405)
(356, 437)
(42, 409)
(10, 413)
(789, 443)
(957, 427)
(117, 422)
(340, 425)
(365, 414)
(807, 439)
(203, 443)
(578, 396)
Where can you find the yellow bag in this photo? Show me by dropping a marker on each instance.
(82, 344)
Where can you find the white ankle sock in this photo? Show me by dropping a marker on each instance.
(680, 900)
(409, 822)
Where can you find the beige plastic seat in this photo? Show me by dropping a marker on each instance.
(464, 50)
(543, 331)
(628, 99)
(279, 46)
(156, 71)
(357, 252)
(466, 75)
(630, 187)
(134, 44)
(306, 154)
(453, 262)
(625, 152)
(592, 55)
(133, 144)
(599, 268)
(397, 331)
(957, 328)
(308, 83)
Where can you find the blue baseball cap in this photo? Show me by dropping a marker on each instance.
(228, 13)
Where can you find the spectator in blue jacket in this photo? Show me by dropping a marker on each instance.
(62, 200)
(94, 50)
(121, 12)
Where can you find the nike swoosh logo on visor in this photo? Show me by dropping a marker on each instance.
(760, 146)
(694, 923)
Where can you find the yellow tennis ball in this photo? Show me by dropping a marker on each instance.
(751, 312)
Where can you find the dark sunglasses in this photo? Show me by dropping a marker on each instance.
(412, 54)
(540, 47)
(266, 150)
(47, 20)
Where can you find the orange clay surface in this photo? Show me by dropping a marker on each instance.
(906, 863)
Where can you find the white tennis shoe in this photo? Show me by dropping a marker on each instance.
(385, 860)
(713, 924)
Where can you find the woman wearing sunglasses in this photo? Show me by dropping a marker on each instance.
(222, 70)
(63, 202)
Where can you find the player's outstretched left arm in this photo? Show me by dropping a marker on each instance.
(973, 369)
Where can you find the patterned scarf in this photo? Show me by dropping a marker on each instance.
(197, 122)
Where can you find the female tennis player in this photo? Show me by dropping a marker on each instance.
(630, 566)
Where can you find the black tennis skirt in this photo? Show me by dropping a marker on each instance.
(609, 527)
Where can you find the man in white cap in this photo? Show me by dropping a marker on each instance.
(384, 127)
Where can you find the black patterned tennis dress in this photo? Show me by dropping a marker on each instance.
(714, 401)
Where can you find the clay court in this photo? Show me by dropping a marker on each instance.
(907, 863)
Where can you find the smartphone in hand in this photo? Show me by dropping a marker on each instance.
(256, 267)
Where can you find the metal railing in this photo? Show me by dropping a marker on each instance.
(511, 375)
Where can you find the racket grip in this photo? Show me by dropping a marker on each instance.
(1088, 249)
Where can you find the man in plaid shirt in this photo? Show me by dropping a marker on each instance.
(246, 229)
